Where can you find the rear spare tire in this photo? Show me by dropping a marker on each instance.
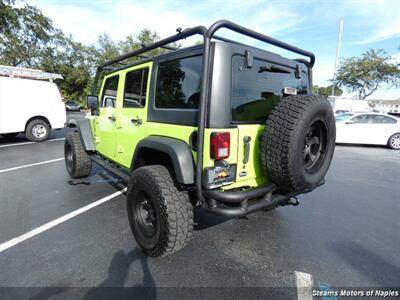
(298, 142)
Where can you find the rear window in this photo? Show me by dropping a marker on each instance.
(178, 83)
(256, 90)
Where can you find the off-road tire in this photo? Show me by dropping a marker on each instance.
(393, 141)
(29, 132)
(171, 209)
(285, 142)
(77, 161)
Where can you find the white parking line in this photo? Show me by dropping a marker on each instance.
(27, 143)
(51, 224)
(31, 165)
(304, 284)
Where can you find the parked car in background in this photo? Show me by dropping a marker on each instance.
(72, 106)
(30, 102)
(368, 128)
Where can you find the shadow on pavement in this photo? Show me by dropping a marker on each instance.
(204, 219)
(378, 269)
(118, 272)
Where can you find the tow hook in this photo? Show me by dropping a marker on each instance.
(293, 201)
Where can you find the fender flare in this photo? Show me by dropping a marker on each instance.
(85, 132)
(178, 151)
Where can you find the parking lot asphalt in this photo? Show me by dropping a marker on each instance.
(345, 233)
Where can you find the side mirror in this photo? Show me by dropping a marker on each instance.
(92, 101)
(349, 122)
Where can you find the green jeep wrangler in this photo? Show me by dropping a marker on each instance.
(222, 125)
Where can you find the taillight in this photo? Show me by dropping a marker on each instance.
(62, 97)
(220, 144)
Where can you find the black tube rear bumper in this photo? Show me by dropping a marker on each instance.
(240, 203)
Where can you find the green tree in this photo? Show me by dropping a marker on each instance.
(327, 91)
(26, 35)
(106, 49)
(367, 73)
(29, 39)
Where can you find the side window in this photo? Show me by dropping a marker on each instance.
(109, 95)
(362, 119)
(382, 120)
(135, 88)
(178, 83)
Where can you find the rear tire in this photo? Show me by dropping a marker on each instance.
(37, 130)
(394, 141)
(77, 161)
(160, 216)
(298, 142)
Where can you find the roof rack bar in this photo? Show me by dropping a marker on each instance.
(258, 36)
(161, 43)
(163, 47)
(170, 48)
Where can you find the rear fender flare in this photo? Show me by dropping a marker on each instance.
(177, 150)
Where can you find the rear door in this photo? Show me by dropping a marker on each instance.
(132, 112)
(106, 130)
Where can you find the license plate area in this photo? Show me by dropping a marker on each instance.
(220, 174)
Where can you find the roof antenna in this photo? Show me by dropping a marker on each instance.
(179, 30)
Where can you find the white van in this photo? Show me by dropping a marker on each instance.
(30, 102)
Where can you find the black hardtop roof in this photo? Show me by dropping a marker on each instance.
(191, 49)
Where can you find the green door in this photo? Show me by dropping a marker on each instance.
(132, 111)
(106, 130)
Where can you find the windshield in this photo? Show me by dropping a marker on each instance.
(256, 90)
(342, 117)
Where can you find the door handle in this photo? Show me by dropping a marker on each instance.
(246, 154)
(136, 121)
(112, 118)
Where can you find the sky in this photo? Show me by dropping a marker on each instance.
(309, 24)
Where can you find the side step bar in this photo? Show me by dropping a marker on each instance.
(110, 167)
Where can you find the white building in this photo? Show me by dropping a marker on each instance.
(343, 104)
(386, 106)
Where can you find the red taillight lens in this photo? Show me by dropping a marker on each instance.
(62, 97)
(220, 145)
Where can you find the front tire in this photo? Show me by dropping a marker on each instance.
(77, 161)
(37, 130)
(160, 216)
(394, 141)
